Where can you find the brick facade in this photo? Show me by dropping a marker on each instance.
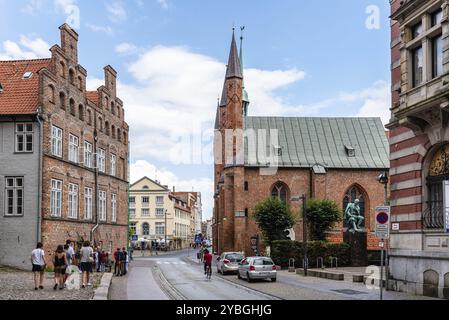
(233, 225)
(94, 117)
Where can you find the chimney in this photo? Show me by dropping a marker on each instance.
(110, 78)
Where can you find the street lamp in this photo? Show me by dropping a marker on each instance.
(383, 179)
(303, 198)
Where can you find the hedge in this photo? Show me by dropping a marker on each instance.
(283, 250)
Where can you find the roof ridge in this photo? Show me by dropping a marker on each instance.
(26, 60)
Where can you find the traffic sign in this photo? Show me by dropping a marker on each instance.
(135, 237)
(383, 222)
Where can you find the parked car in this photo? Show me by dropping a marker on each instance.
(228, 262)
(252, 268)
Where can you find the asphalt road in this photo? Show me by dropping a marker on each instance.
(185, 277)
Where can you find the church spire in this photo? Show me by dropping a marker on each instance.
(234, 66)
(245, 98)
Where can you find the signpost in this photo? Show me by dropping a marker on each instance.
(135, 237)
(383, 232)
(255, 244)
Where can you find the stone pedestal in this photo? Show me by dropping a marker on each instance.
(358, 254)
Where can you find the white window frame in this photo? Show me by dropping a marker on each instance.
(88, 152)
(160, 226)
(56, 198)
(102, 206)
(56, 141)
(74, 145)
(159, 203)
(160, 210)
(17, 190)
(131, 214)
(73, 201)
(113, 165)
(114, 207)
(101, 160)
(88, 203)
(24, 134)
(145, 215)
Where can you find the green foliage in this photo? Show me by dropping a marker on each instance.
(321, 217)
(273, 217)
(282, 251)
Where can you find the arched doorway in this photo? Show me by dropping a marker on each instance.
(430, 283)
(355, 192)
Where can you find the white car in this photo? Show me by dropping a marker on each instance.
(252, 268)
(228, 262)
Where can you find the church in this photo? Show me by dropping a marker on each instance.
(338, 159)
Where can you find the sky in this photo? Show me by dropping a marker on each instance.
(302, 58)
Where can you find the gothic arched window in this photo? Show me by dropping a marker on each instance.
(146, 229)
(355, 193)
(280, 190)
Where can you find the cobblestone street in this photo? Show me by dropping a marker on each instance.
(19, 285)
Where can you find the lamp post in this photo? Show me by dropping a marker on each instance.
(383, 179)
(303, 198)
(165, 230)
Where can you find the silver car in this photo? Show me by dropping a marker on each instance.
(252, 268)
(228, 262)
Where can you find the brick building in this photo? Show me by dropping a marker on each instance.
(419, 140)
(81, 150)
(259, 157)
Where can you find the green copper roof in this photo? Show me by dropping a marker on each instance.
(306, 142)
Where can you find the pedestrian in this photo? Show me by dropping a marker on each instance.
(39, 264)
(97, 259)
(117, 262)
(66, 249)
(87, 260)
(131, 252)
(60, 265)
(102, 260)
(70, 252)
(124, 261)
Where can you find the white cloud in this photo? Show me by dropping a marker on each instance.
(71, 10)
(142, 168)
(164, 3)
(26, 48)
(33, 7)
(117, 12)
(125, 48)
(104, 29)
(377, 101)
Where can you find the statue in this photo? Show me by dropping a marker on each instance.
(353, 217)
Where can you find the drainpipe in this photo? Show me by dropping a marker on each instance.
(39, 173)
(97, 220)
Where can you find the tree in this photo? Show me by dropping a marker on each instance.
(273, 217)
(322, 215)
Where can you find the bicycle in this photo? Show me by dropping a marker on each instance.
(208, 272)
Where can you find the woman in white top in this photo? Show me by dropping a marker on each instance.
(39, 264)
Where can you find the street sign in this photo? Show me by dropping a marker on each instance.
(255, 244)
(383, 222)
(135, 237)
(395, 226)
(381, 244)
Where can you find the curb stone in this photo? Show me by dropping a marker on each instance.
(102, 292)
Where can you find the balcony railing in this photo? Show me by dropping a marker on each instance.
(433, 216)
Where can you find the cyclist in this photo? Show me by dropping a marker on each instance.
(207, 261)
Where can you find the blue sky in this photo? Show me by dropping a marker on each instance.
(302, 58)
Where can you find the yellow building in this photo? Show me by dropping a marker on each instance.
(158, 215)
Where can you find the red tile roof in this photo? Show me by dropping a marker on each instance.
(20, 96)
(92, 96)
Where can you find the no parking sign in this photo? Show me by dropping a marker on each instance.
(383, 222)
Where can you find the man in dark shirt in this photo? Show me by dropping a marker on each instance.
(123, 264)
(117, 262)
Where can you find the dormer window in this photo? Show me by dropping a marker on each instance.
(27, 75)
(278, 151)
(350, 151)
